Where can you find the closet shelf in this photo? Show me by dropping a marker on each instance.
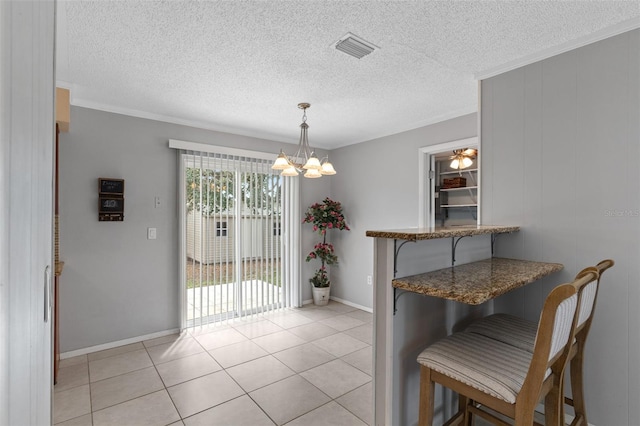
(459, 189)
(458, 172)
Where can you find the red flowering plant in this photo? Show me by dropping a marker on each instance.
(324, 216)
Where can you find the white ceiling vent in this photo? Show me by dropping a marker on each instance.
(355, 46)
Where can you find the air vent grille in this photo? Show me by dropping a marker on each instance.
(355, 46)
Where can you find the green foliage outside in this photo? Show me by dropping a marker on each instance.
(214, 191)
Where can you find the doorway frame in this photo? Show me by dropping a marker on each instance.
(426, 158)
(290, 223)
(27, 126)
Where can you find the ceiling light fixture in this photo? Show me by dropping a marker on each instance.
(304, 160)
(463, 158)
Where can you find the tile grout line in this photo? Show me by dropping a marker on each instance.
(296, 373)
(166, 389)
(353, 390)
(273, 354)
(90, 400)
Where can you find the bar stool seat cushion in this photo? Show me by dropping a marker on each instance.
(508, 329)
(486, 364)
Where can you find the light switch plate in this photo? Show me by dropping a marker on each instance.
(151, 233)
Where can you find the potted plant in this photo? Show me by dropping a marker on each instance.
(324, 216)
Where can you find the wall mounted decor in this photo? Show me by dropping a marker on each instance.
(110, 200)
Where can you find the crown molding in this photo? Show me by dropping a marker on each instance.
(602, 34)
(83, 103)
(413, 126)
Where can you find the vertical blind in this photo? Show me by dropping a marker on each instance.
(239, 229)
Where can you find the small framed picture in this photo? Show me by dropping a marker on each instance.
(111, 186)
(111, 204)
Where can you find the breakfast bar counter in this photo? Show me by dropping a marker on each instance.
(456, 294)
(418, 234)
(477, 282)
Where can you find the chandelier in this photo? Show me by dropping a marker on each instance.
(462, 158)
(304, 160)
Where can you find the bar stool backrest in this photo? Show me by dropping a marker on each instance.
(555, 330)
(562, 325)
(589, 296)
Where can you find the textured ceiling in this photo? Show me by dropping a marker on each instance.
(243, 66)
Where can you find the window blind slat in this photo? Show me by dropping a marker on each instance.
(234, 248)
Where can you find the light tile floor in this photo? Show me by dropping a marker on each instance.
(307, 366)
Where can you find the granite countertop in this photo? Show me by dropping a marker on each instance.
(415, 234)
(475, 283)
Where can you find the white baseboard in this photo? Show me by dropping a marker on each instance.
(112, 345)
(137, 339)
(353, 305)
(344, 302)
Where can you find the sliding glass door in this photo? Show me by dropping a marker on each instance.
(232, 237)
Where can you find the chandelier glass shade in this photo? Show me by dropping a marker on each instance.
(462, 158)
(305, 159)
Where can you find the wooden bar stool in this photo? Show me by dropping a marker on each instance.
(521, 333)
(488, 373)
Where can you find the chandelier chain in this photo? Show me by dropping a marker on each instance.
(305, 159)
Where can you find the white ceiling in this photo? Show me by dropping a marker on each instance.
(243, 66)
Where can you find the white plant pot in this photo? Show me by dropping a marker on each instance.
(320, 295)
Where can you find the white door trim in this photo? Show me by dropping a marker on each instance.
(26, 210)
(425, 203)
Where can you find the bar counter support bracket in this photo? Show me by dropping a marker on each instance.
(454, 245)
(396, 296)
(396, 250)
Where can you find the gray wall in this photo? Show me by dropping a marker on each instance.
(560, 151)
(117, 284)
(377, 182)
